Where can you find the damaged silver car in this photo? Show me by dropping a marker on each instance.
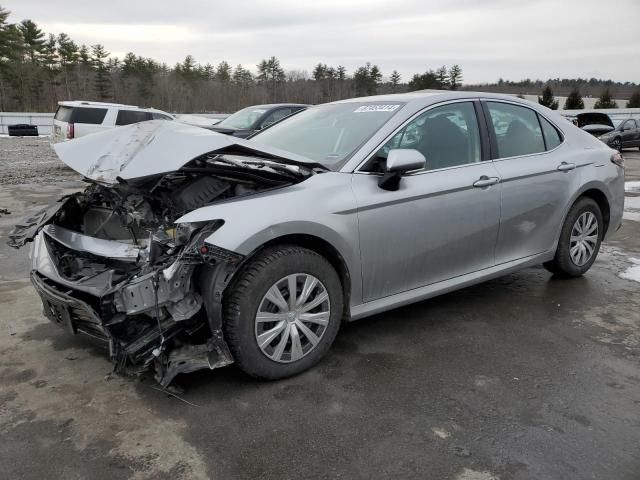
(191, 250)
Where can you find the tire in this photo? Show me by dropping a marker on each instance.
(269, 270)
(564, 263)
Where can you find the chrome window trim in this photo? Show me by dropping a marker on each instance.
(409, 120)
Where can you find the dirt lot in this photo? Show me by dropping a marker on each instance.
(524, 377)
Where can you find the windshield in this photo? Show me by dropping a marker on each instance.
(329, 134)
(244, 118)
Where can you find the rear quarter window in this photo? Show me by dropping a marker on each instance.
(63, 114)
(552, 136)
(91, 116)
(127, 117)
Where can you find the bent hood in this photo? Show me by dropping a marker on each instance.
(155, 147)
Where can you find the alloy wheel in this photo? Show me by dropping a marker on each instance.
(292, 317)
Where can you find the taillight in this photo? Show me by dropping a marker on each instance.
(70, 130)
(618, 159)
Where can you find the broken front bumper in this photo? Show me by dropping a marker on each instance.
(160, 307)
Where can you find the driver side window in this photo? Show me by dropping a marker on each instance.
(447, 136)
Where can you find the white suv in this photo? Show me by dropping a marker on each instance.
(75, 119)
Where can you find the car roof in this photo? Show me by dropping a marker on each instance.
(428, 97)
(82, 103)
(268, 106)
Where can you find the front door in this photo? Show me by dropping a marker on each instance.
(443, 221)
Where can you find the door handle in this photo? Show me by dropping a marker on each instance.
(485, 181)
(565, 167)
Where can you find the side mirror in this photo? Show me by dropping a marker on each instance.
(400, 161)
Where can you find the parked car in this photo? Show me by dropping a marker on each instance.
(618, 133)
(250, 120)
(194, 250)
(74, 119)
(626, 134)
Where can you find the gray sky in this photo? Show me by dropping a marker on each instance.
(489, 38)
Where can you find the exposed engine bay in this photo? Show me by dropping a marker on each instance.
(111, 262)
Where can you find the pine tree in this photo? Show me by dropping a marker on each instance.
(547, 99)
(33, 40)
(394, 79)
(605, 100)
(319, 72)
(634, 101)
(455, 77)
(442, 76)
(424, 81)
(68, 55)
(341, 73)
(223, 72)
(102, 78)
(574, 101)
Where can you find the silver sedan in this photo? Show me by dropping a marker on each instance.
(194, 250)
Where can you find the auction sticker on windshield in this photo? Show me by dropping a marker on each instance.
(376, 108)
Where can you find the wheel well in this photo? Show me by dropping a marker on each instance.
(325, 249)
(601, 199)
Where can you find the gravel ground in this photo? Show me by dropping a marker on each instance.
(523, 377)
(31, 160)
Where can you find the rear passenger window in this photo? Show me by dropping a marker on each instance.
(552, 137)
(91, 116)
(517, 130)
(127, 117)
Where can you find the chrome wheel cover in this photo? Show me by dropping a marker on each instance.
(584, 238)
(292, 317)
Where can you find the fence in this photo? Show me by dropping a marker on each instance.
(44, 121)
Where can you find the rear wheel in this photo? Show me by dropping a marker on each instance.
(579, 241)
(283, 312)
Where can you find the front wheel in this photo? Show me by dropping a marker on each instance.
(283, 312)
(579, 241)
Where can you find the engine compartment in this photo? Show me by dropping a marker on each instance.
(111, 262)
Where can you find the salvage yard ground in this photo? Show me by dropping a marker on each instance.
(524, 377)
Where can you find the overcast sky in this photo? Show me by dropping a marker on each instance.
(490, 38)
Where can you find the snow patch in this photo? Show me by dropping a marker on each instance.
(633, 186)
(632, 203)
(633, 272)
(631, 206)
(468, 474)
(440, 432)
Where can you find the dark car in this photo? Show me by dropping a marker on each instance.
(620, 134)
(625, 135)
(250, 120)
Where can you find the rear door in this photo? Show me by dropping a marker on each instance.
(443, 221)
(539, 175)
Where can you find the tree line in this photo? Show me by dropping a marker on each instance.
(574, 100)
(37, 70)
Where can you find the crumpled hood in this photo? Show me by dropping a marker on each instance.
(152, 148)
